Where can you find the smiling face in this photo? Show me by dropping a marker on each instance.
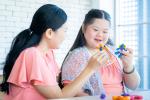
(96, 33)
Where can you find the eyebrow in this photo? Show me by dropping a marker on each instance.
(100, 27)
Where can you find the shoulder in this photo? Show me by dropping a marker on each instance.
(75, 61)
(77, 55)
(29, 54)
(30, 51)
(80, 52)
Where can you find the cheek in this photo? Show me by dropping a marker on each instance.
(89, 34)
(88, 37)
(61, 37)
(106, 38)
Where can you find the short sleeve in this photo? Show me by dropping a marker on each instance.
(75, 62)
(32, 67)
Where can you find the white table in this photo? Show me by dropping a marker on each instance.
(144, 93)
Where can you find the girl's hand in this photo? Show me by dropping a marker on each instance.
(127, 59)
(98, 59)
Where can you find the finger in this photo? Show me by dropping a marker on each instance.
(99, 58)
(95, 54)
(103, 58)
(104, 61)
(130, 50)
(107, 50)
(125, 53)
(123, 58)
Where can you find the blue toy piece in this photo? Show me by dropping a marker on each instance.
(102, 96)
(101, 48)
(125, 94)
(118, 50)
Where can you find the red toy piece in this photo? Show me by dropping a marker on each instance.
(136, 97)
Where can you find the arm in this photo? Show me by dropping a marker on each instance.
(132, 80)
(130, 75)
(73, 88)
(69, 90)
(73, 65)
(81, 91)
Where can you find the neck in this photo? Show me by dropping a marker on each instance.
(92, 50)
(43, 47)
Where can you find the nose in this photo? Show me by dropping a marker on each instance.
(100, 33)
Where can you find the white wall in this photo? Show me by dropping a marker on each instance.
(16, 15)
(76, 10)
(109, 6)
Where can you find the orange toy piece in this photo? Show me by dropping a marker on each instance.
(121, 98)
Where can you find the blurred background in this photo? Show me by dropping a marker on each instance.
(130, 25)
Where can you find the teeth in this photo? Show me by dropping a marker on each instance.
(98, 40)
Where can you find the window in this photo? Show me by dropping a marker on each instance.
(132, 22)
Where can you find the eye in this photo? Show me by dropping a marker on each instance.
(95, 29)
(105, 32)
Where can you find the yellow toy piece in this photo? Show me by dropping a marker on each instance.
(104, 47)
(100, 47)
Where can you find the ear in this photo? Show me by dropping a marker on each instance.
(49, 33)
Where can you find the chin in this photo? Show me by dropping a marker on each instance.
(57, 47)
(53, 47)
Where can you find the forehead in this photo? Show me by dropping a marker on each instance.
(100, 23)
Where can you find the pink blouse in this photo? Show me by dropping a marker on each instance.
(31, 67)
(111, 75)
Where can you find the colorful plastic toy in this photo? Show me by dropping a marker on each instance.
(121, 98)
(100, 47)
(103, 96)
(118, 50)
(136, 97)
(126, 96)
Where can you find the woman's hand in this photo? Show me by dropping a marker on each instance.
(130, 76)
(127, 59)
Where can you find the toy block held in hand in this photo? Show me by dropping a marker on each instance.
(118, 50)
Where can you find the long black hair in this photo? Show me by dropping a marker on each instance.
(80, 39)
(89, 19)
(47, 16)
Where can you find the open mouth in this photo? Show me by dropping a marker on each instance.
(98, 40)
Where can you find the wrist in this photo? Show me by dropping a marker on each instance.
(125, 71)
(90, 70)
